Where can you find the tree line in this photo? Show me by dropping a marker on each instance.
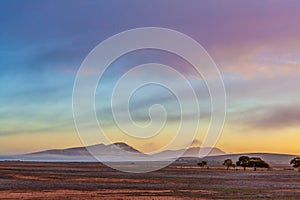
(252, 162)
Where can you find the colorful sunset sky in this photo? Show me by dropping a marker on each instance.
(255, 44)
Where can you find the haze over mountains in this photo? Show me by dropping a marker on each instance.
(82, 151)
(112, 152)
(123, 152)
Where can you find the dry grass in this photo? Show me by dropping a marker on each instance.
(95, 181)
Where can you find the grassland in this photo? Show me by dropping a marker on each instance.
(34, 180)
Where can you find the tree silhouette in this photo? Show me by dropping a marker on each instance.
(295, 162)
(257, 162)
(228, 163)
(243, 162)
(202, 164)
(254, 162)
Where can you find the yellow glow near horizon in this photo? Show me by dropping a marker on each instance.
(269, 141)
(234, 139)
(282, 143)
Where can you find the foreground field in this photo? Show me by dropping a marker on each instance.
(95, 181)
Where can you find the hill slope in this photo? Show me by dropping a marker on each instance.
(274, 159)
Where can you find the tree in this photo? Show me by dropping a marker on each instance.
(295, 162)
(228, 163)
(257, 162)
(202, 164)
(254, 162)
(243, 162)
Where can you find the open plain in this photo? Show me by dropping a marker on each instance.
(34, 180)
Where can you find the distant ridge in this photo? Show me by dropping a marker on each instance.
(192, 152)
(271, 158)
(82, 151)
(115, 152)
(115, 149)
(274, 159)
(119, 151)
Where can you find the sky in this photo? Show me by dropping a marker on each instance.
(255, 45)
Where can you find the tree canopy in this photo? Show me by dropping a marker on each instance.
(295, 162)
(245, 161)
(228, 163)
(202, 163)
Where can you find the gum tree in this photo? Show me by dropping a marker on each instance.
(295, 162)
(202, 164)
(228, 163)
(243, 162)
(255, 162)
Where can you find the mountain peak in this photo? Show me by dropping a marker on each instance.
(121, 144)
(124, 146)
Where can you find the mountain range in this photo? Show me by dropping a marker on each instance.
(113, 152)
(124, 152)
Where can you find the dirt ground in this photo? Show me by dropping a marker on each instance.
(27, 180)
